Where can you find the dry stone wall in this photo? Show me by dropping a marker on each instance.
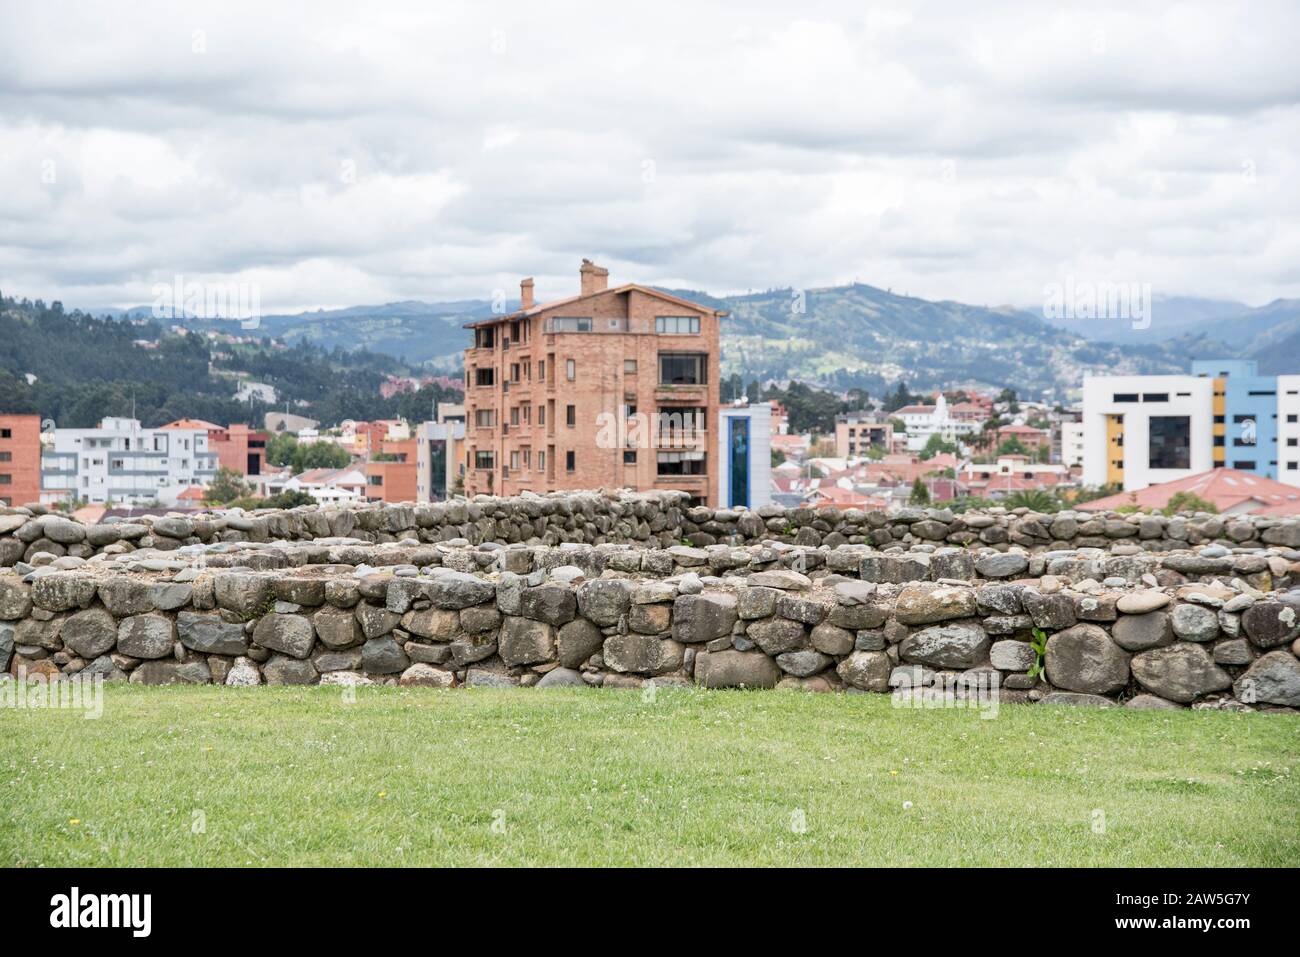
(653, 519)
(1208, 627)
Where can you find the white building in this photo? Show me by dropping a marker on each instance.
(744, 455)
(1143, 430)
(923, 421)
(329, 486)
(124, 463)
(1072, 444)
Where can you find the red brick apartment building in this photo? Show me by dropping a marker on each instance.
(20, 459)
(611, 387)
(392, 478)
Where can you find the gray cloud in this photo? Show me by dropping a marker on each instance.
(337, 155)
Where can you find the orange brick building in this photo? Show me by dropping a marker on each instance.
(611, 387)
(20, 459)
(392, 479)
(238, 447)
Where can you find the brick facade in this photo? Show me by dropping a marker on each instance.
(20, 459)
(571, 394)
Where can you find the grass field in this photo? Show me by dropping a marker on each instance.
(224, 776)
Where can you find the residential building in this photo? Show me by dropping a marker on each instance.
(1011, 473)
(1030, 438)
(440, 454)
(391, 472)
(745, 456)
(326, 486)
(611, 387)
(122, 462)
(1072, 444)
(20, 459)
(237, 446)
(1149, 430)
(780, 418)
(857, 432)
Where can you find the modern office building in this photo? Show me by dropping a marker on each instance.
(609, 388)
(1144, 430)
(440, 454)
(745, 456)
(124, 463)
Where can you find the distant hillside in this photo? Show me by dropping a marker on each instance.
(861, 336)
(75, 369)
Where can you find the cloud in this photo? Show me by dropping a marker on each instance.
(338, 155)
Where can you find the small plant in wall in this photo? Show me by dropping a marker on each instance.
(1039, 644)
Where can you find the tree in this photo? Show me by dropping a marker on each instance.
(280, 448)
(876, 453)
(1188, 502)
(778, 457)
(936, 445)
(920, 494)
(1012, 446)
(1036, 500)
(226, 486)
(319, 455)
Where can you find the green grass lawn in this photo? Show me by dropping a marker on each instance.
(261, 776)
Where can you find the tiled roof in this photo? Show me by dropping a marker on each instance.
(1224, 488)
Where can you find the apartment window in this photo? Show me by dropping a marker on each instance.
(629, 366)
(485, 377)
(541, 369)
(1292, 466)
(570, 415)
(118, 463)
(1293, 442)
(514, 415)
(571, 324)
(484, 460)
(683, 368)
(1218, 441)
(485, 418)
(1246, 465)
(629, 458)
(514, 372)
(541, 415)
(6, 478)
(677, 325)
(6, 456)
(1124, 397)
(514, 461)
(1155, 397)
(1292, 418)
(570, 461)
(680, 463)
(374, 480)
(485, 338)
(1170, 445)
(6, 433)
(570, 369)
(528, 458)
(1219, 419)
(541, 461)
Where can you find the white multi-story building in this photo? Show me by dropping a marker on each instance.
(1072, 444)
(122, 462)
(1144, 430)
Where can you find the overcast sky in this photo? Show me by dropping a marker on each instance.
(337, 154)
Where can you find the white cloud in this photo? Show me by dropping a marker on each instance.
(338, 155)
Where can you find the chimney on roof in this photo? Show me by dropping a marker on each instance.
(594, 278)
(526, 293)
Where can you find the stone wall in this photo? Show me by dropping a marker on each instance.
(1125, 628)
(656, 519)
